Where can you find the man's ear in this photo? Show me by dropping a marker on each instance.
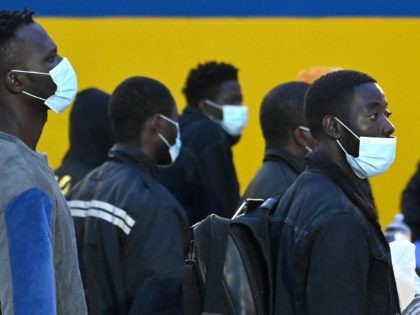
(149, 132)
(303, 138)
(331, 127)
(300, 136)
(14, 82)
(210, 111)
(156, 123)
(203, 107)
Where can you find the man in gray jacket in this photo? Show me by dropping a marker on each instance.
(38, 261)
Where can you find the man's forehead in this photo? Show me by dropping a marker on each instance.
(379, 88)
(369, 93)
(34, 35)
(228, 88)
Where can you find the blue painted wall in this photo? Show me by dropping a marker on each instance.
(219, 8)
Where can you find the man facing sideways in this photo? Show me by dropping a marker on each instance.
(330, 254)
(131, 232)
(287, 140)
(204, 178)
(39, 271)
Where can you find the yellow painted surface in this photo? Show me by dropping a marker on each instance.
(268, 52)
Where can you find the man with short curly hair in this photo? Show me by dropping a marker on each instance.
(204, 177)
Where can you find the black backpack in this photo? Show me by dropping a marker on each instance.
(228, 270)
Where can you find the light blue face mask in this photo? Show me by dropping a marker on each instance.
(64, 77)
(235, 117)
(375, 154)
(176, 147)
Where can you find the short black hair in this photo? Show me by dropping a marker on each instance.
(10, 22)
(133, 102)
(332, 94)
(204, 80)
(282, 111)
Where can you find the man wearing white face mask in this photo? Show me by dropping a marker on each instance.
(39, 271)
(330, 253)
(131, 232)
(287, 140)
(204, 178)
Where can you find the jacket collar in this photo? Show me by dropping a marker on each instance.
(132, 156)
(11, 138)
(352, 189)
(276, 154)
(192, 113)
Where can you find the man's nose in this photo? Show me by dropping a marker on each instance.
(388, 128)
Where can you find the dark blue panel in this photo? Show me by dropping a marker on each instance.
(219, 8)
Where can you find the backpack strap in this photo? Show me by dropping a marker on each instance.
(214, 297)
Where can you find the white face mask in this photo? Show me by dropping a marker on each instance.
(375, 155)
(235, 117)
(64, 76)
(176, 147)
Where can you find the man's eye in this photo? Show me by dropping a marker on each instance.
(373, 116)
(387, 114)
(52, 57)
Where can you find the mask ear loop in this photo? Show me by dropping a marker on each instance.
(347, 128)
(304, 128)
(31, 72)
(307, 130)
(164, 140)
(178, 133)
(341, 146)
(168, 119)
(40, 98)
(211, 103)
(351, 131)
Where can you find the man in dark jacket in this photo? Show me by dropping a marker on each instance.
(91, 137)
(131, 232)
(287, 140)
(411, 204)
(330, 254)
(204, 178)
